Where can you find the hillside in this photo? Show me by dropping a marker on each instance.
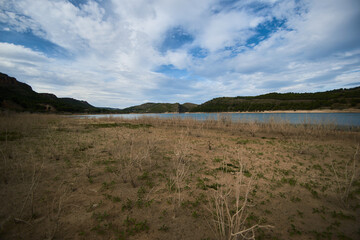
(159, 108)
(18, 96)
(336, 99)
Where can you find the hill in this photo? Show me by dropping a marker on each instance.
(18, 96)
(338, 99)
(159, 108)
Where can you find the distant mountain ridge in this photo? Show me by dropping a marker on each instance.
(18, 96)
(336, 99)
(160, 108)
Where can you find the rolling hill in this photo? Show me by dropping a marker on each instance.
(160, 108)
(338, 99)
(18, 96)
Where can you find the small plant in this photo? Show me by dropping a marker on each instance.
(100, 217)
(195, 214)
(228, 223)
(295, 199)
(128, 205)
(133, 226)
(313, 192)
(164, 228)
(350, 174)
(294, 231)
(107, 186)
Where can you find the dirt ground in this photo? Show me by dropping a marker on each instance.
(67, 178)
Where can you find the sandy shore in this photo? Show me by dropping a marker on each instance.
(297, 111)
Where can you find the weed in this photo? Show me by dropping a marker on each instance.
(133, 226)
(10, 136)
(227, 223)
(295, 199)
(100, 217)
(164, 228)
(107, 186)
(342, 216)
(294, 231)
(128, 205)
(195, 214)
(313, 192)
(350, 173)
(114, 199)
(113, 125)
(290, 181)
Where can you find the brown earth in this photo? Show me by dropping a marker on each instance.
(65, 178)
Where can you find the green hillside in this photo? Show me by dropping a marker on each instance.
(18, 96)
(336, 99)
(159, 108)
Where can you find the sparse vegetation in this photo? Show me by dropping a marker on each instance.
(114, 178)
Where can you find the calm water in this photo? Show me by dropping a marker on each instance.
(341, 119)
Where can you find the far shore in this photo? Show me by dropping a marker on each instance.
(352, 110)
(306, 111)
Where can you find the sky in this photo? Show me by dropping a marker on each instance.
(121, 53)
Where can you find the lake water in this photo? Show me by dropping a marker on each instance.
(340, 119)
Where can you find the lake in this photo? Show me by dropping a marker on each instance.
(340, 119)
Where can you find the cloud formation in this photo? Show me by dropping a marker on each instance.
(121, 53)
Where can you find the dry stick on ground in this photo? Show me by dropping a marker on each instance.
(180, 166)
(228, 224)
(350, 173)
(35, 178)
(180, 174)
(54, 213)
(5, 176)
(253, 127)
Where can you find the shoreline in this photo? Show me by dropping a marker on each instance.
(274, 111)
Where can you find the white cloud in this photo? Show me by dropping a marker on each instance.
(114, 48)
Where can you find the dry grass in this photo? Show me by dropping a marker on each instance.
(345, 182)
(229, 208)
(65, 178)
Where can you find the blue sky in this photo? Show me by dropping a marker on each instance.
(119, 53)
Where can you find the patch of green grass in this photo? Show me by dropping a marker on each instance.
(140, 203)
(217, 160)
(134, 226)
(318, 167)
(113, 125)
(342, 236)
(100, 217)
(242, 141)
(105, 162)
(164, 228)
(247, 173)
(295, 199)
(110, 169)
(313, 192)
(294, 231)
(342, 216)
(201, 183)
(322, 235)
(112, 198)
(290, 181)
(214, 186)
(10, 136)
(107, 186)
(128, 205)
(260, 175)
(195, 214)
